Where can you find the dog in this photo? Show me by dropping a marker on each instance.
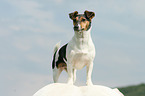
(78, 52)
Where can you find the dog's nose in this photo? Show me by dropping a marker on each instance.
(76, 27)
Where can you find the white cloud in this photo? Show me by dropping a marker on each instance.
(8, 57)
(113, 57)
(14, 28)
(22, 46)
(32, 8)
(4, 32)
(138, 8)
(59, 1)
(38, 58)
(117, 27)
(22, 43)
(29, 42)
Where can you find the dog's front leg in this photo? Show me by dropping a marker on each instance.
(70, 73)
(89, 73)
(74, 75)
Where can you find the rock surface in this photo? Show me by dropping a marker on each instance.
(59, 89)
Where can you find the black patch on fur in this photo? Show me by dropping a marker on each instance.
(62, 55)
(89, 26)
(53, 62)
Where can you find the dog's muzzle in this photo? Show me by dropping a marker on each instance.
(78, 28)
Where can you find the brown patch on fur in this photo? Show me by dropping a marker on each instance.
(62, 65)
(89, 14)
(84, 23)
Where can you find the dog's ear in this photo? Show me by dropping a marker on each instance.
(89, 15)
(73, 15)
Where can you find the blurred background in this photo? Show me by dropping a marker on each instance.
(29, 30)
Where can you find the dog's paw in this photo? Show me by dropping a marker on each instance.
(70, 82)
(89, 83)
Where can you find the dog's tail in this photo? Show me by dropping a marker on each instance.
(57, 46)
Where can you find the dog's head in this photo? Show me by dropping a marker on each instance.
(82, 22)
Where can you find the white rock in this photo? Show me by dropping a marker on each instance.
(59, 89)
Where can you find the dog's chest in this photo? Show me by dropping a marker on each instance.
(80, 58)
(81, 55)
(80, 50)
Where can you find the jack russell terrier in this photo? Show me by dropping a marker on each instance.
(79, 52)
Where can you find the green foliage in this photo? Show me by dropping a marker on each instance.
(136, 90)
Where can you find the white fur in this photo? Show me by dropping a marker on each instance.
(57, 46)
(80, 52)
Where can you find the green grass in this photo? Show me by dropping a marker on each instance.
(136, 90)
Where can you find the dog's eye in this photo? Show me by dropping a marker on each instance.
(83, 20)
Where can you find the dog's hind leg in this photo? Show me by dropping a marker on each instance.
(56, 74)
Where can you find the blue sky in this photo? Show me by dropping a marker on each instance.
(29, 29)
